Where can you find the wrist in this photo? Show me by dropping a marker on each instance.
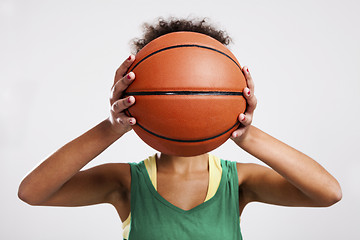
(111, 130)
(245, 138)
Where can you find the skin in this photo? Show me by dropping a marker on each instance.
(292, 178)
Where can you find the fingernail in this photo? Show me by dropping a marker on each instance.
(242, 117)
(131, 121)
(130, 99)
(128, 76)
(235, 135)
(129, 58)
(248, 93)
(247, 69)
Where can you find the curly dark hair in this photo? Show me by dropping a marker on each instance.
(164, 26)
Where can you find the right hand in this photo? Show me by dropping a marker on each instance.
(119, 121)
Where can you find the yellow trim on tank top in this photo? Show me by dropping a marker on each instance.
(215, 172)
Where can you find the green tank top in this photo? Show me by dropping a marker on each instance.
(153, 217)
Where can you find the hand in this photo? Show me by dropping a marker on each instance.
(245, 119)
(119, 121)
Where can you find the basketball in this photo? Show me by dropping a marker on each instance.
(188, 89)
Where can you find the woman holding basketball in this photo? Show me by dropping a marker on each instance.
(164, 196)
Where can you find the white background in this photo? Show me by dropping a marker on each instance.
(57, 61)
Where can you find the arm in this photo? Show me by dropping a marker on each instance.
(293, 179)
(59, 181)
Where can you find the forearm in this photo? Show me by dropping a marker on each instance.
(297, 168)
(58, 168)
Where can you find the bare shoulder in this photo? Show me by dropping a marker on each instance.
(251, 176)
(116, 172)
(246, 170)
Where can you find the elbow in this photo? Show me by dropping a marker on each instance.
(333, 196)
(336, 193)
(23, 196)
(336, 196)
(26, 195)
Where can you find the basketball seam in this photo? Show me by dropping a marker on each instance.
(207, 93)
(181, 140)
(184, 45)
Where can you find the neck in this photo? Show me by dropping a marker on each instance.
(182, 165)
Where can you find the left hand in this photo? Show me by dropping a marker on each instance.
(245, 119)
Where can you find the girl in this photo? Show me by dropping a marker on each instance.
(173, 197)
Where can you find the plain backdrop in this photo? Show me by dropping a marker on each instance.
(57, 62)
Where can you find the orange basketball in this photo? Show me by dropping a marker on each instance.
(188, 89)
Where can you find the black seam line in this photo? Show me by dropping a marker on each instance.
(187, 141)
(180, 140)
(216, 93)
(185, 45)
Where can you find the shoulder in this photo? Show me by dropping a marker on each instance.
(115, 172)
(246, 171)
(256, 180)
(242, 169)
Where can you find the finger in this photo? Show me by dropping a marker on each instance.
(245, 119)
(120, 86)
(125, 120)
(121, 71)
(249, 80)
(250, 100)
(238, 132)
(122, 104)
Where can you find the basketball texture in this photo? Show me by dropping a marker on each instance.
(188, 90)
